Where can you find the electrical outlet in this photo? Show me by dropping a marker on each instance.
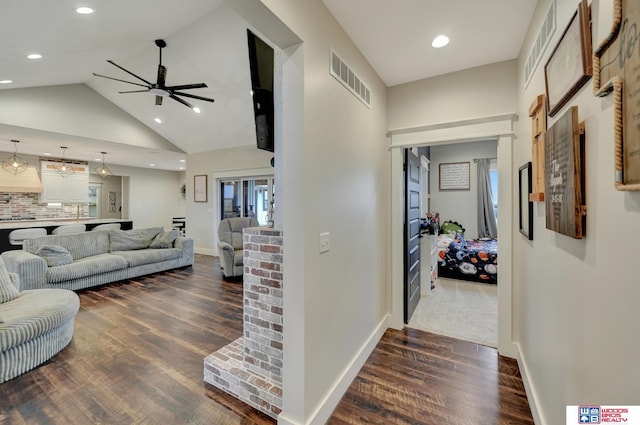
(325, 242)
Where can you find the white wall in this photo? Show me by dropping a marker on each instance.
(575, 301)
(341, 186)
(202, 218)
(459, 205)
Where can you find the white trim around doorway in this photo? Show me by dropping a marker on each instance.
(493, 127)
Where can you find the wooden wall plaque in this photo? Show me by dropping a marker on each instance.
(564, 182)
(617, 70)
(538, 114)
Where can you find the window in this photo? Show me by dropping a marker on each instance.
(493, 176)
(246, 197)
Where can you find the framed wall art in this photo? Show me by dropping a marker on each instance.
(200, 188)
(570, 64)
(565, 206)
(526, 205)
(454, 175)
(616, 70)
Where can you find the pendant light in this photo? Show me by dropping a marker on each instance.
(14, 164)
(65, 169)
(103, 171)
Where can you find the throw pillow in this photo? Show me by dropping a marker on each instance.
(8, 291)
(164, 239)
(54, 255)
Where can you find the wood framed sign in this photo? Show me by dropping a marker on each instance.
(564, 183)
(454, 175)
(616, 62)
(570, 64)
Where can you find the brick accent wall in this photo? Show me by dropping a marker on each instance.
(26, 205)
(250, 368)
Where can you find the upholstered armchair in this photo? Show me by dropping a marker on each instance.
(230, 244)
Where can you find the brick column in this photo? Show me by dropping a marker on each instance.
(250, 368)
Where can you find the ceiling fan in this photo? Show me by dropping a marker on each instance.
(159, 88)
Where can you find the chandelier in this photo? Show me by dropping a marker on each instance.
(103, 171)
(65, 168)
(14, 164)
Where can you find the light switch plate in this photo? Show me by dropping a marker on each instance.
(325, 242)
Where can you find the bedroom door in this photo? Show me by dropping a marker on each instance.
(411, 233)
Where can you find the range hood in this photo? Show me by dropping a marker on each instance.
(27, 181)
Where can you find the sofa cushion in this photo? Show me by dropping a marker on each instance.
(35, 313)
(8, 291)
(55, 255)
(147, 256)
(125, 240)
(79, 245)
(164, 239)
(84, 267)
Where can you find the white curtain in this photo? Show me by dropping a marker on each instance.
(487, 226)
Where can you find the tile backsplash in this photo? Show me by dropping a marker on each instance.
(26, 205)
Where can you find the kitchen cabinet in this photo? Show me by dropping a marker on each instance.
(73, 189)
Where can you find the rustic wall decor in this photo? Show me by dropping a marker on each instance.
(570, 65)
(538, 114)
(564, 183)
(616, 61)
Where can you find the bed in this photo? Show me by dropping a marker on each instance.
(468, 259)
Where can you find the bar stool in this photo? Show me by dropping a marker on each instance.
(17, 236)
(69, 228)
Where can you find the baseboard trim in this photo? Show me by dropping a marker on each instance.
(333, 397)
(532, 395)
(205, 251)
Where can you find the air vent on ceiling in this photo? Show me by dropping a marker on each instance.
(343, 73)
(542, 40)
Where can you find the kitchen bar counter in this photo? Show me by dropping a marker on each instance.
(7, 227)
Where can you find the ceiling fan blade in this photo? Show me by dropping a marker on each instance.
(158, 100)
(162, 75)
(193, 96)
(188, 86)
(134, 91)
(184, 102)
(128, 72)
(117, 79)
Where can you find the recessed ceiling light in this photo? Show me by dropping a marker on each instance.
(152, 165)
(34, 56)
(6, 81)
(158, 120)
(196, 109)
(182, 160)
(440, 41)
(180, 168)
(84, 10)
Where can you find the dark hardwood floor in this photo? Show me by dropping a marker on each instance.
(137, 358)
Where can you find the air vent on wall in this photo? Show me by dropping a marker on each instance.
(542, 40)
(343, 73)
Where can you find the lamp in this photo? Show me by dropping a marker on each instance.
(64, 169)
(103, 171)
(14, 164)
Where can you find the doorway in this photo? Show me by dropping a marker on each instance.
(497, 127)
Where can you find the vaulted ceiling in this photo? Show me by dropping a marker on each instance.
(206, 42)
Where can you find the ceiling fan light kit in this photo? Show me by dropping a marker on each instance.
(159, 88)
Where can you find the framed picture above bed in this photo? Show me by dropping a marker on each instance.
(454, 175)
(526, 206)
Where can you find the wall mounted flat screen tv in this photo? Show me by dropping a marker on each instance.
(261, 64)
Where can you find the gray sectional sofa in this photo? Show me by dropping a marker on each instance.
(83, 260)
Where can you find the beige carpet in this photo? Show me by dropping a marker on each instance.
(460, 309)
